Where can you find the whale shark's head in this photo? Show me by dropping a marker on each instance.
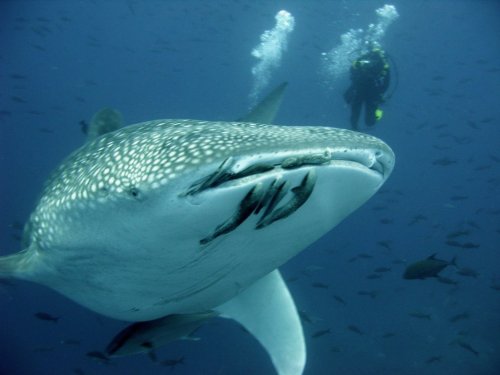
(205, 207)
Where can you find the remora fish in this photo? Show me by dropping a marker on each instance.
(429, 267)
(184, 216)
(147, 336)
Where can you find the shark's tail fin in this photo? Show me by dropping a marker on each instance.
(14, 265)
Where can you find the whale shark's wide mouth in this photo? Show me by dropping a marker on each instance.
(234, 168)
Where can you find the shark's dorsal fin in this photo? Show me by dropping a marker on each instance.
(265, 111)
(266, 309)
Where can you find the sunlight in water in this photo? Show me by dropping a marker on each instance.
(272, 44)
(354, 43)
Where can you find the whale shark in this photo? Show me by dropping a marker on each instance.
(168, 220)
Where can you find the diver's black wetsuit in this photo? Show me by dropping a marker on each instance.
(370, 78)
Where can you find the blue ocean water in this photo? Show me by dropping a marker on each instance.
(61, 61)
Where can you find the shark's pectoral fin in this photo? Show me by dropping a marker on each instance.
(104, 121)
(267, 311)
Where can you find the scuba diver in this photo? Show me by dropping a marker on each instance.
(370, 78)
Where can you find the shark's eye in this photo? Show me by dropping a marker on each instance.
(103, 192)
